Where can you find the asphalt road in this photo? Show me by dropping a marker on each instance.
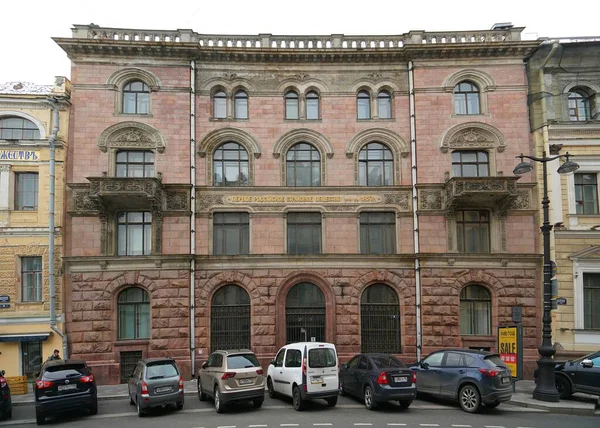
(279, 413)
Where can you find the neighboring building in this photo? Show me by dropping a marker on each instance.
(26, 124)
(565, 117)
(318, 210)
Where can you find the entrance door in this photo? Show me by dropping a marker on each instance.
(305, 314)
(31, 358)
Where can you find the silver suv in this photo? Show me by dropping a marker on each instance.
(233, 375)
(155, 382)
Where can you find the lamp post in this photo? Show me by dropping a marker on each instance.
(545, 389)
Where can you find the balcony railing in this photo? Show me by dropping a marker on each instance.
(479, 191)
(127, 193)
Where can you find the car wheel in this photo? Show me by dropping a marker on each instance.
(563, 387)
(94, 409)
(40, 418)
(258, 402)
(493, 404)
(140, 412)
(297, 399)
(404, 404)
(341, 388)
(218, 403)
(332, 401)
(201, 395)
(469, 399)
(179, 405)
(272, 392)
(370, 399)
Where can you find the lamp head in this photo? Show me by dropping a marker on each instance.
(569, 167)
(523, 167)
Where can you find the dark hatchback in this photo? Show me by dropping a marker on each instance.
(376, 378)
(469, 376)
(62, 386)
(580, 375)
(5, 400)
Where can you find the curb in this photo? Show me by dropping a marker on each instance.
(100, 398)
(556, 410)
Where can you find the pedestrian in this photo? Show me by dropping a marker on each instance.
(55, 356)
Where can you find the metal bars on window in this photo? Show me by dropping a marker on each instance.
(129, 360)
(380, 320)
(230, 319)
(305, 314)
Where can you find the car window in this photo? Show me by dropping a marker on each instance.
(354, 362)
(384, 361)
(454, 359)
(434, 360)
(65, 371)
(321, 357)
(494, 361)
(211, 360)
(293, 358)
(279, 358)
(161, 369)
(242, 361)
(362, 365)
(596, 361)
(218, 360)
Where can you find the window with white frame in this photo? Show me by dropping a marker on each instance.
(31, 279)
(586, 193)
(591, 301)
(582, 191)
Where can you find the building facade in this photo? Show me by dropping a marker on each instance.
(30, 325)
(251, 191)
(565, 82)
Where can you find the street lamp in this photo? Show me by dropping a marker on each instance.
(545, 389)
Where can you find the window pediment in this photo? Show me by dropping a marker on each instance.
(472, 135)
(132, 135)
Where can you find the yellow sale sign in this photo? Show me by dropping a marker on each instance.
(508, 349)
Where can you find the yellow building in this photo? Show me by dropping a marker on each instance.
(565, 117)
(31, 306)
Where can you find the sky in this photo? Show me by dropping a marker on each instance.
(30, 55)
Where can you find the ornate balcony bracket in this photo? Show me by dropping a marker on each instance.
(113, 193)
(497, 193)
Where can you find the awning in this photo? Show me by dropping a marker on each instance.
(24, 337)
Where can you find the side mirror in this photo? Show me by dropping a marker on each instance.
(344, 366)
(424, 365)
(204, 364)
(273, 363)
(587, 363)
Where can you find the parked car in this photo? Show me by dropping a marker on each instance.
(377, 378)
(305, 370)
(155, 382)
(579, 375)
(231, 376)
(5, 400)
(62, 386)
(469, 376)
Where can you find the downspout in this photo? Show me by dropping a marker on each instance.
(51, 140)
(193, 216)
(413, 153)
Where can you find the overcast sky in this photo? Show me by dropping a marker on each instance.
(30, 55)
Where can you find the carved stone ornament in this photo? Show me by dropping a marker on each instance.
(302, 77)
(374, 76)
(177, 201)
(473, 135)
(521, 202)
(230, 76)
(134, 135)
(205, 201)
(401, 200)
(83, 202)
(431, 200)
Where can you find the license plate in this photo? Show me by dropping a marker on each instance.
(245, 381)
(66, 387)
(163, 389)
(315, 380)
(505, 380)
(400, 379)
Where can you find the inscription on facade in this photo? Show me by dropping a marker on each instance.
(269, 199)
(22, 155)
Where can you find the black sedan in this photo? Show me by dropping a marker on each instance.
(377, 378)
(580, 375)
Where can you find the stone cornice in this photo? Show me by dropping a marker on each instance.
(574, 130)
(128, 263)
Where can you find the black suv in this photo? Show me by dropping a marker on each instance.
(5, 401)
(64, 385)
(580, 375)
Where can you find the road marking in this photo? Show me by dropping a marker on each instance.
(257, 426)
(396, 425)
(493, 426)
(288, 425)
(363, 424)
(461, 426)
(429, 425)
(325, 424)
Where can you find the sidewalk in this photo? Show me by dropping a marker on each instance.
(578, 404)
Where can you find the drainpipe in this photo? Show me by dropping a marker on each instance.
(413, 153)
(51, 140)
(193, 216)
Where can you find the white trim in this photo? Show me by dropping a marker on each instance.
(587, 164)
(586, 337)
(30, 320)
(579, 268)
(37, 123)
(555, 193)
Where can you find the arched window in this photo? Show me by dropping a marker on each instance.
(466, 98)
(384, 104)
(17, 128)
(380, 320)
(312, 105)
(579, 105)
(230, 318)
(305, 313)
(363, 105)
(303, 165)
(240, 108)
(375, 165)
(230, 165)
(134, 314)
(136, 98)
(291, 105)
(220, 105)
(475, 311)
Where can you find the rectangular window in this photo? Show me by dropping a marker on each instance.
(586, 193)
(291, 108)
(591, 301)
(135, 164)
(473, 231)
(377, 233)
(134, 233)
(304, 233)
(231, 233)
(31, 279)
(26, 191)
(312, 108)
(470, 164)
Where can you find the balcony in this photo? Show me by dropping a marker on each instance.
(127, 193)
(480, 192)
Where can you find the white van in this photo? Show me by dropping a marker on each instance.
(305, 370)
